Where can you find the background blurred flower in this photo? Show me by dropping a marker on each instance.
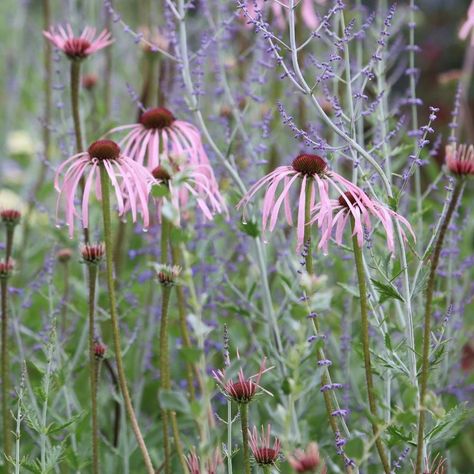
(78, 47)
(263, 453)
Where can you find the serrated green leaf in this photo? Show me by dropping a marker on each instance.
(449, 425)
(386, 291)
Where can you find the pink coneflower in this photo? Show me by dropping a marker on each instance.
(279, 11)
(244, 389)
(191, 180)
(460, 159)
(10, 217)
(438, 466)
(131, 181)
(358, 206)
(89, 81)
(468, 25)
(78, 47)
(307, 460)
(194, 463)
(64, 255)
(310, 170)
(93, 254)
(99, 350)
(158, 133)
(262, 451)
(6, 268)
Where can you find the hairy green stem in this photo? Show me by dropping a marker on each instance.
(93, 369)
(7, 441)
(427, 320)
(9, 243)
(244, 423)
(164, 373)
(65, 298)
(191, 369)
(117, 408)
(114, 319)
(325, 378)
(76, 117)
(177, 441)
(229, 437)
(366, 349)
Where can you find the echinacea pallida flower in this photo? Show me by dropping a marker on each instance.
(460, 159)
(307, 460)
(78, 47)
(263, 452)
(159, 139)
(131, 182)
(305, 170)
(158, 133)
(194, 463)
(360, 208)
(244, 389)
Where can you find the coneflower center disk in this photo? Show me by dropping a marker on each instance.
(265, 455)
(104, 150)
(161, 174)
(76, 48)
(309, 164)
(242, 391)
(347, 196)
(158, 117)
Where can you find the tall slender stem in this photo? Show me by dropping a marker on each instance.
(191, 369)
(92, 368)
(366, 349)
(427, 320)
(117, 407)
(325, 377)
(164, 374)
(177, 441)
(113, 315)
(244, 422)
(229, 437)
(76, 117)
(65, 298)
(75, 83)
(7, 441)
(9, 243)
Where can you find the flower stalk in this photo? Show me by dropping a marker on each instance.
(325, 378)
(425, 365)
(7, 440)
(191, 369)
(93, 366)
(244, 423)
(114, 319)
(75, 74)
(164, 373)
(366, 349)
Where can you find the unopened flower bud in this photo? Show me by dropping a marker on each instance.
(92, 254)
